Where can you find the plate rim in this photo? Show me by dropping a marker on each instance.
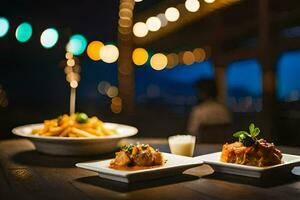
(247, 167)
(16, 130)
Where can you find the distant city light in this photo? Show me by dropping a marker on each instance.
(192, 5)
(49, 38)
(4, 26)
(140, 29)
(172, 14)
(23, 32)
(153, 23)
(93, 50)
(209, 1)
(139, 56)
(158, 61)
(76, 44)
(109, 53)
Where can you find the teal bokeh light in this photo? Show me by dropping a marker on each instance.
(4, 26)
(49, 38)
(23, 32)
(76, 44)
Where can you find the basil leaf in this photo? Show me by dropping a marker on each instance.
(240, 133)
(256, 132)
(251, 128)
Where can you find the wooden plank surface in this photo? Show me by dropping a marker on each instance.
(27, 174)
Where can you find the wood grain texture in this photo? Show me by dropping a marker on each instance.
(27, 174)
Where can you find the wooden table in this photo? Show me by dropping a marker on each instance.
(27, 174)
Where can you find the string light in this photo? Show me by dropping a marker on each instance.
(140, 56)
(109, 53)
(192, 5)
(49, 38)
(163, 19)
(153, 23)
(23, 32)
(188, 58)
(4, 26)
(140, 29)
(172, 60)
(93, 50)
(199, 54)
(158, 61)
(76, 44)
(172, 14)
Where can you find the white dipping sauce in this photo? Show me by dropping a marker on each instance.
(182, 144)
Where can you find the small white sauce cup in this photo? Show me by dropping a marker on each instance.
(182, 144)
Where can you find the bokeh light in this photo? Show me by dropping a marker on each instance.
(49, 38)
(93, 50)
(138, 0)
(76, 44)
(71, 62)
(140, 56)
(163, 19)
(172, 60)
(69, 55)
(103, 87)
(199, 54)
(4, 26)
(153, 23)
(112, 91)
(209, 1)
(109, 53)
(73, 84)
(188, 58)
(172, 14)
(192, 5)
(23, 32)
(140, 29)
(158, 61)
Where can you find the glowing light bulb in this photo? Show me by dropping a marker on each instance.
(76, 44)
(140, 29)
(4, 26)
(49, 38)
(23, 32)
(153, 23)
(139, 56)
(109, 53)
(192, 5)
(172, 14)
(93, 50)
(158, 61)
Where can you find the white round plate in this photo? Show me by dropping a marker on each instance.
(76, 146)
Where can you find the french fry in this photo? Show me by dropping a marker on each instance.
(81, 133)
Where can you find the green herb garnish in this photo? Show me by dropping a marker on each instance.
(248, 138)
(127, 148)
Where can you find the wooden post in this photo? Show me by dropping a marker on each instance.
(267, 58)
(125, 65)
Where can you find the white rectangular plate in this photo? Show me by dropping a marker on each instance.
(174, 165)
(289, 162)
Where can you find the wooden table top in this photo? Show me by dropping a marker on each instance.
(27, 174)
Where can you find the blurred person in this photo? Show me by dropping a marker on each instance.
(208, 111)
